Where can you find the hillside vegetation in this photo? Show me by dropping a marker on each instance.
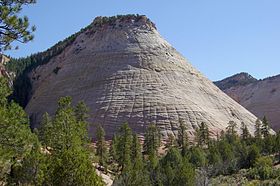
(60, 153)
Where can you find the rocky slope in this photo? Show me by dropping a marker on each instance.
(261, 97)
(126, 72)
(240, 79)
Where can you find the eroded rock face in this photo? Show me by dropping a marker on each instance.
(126, 72)
(261, 97)
(3, 61)
(3, 71)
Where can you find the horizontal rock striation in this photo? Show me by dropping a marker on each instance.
(126, 72)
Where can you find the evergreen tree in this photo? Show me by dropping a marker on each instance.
(202, 135)
(197, 157)
(265, 127)
(45, 129)
(182, 137)
(4, 92)
(231, 133)
(123, 150)
(136, 154)
(113, 149)
(152, 140)
(101, 148)
(81, 112)
(12, 26)
(68, 160)
(176, 170)
(137, 176)
(170, 141)
(253, 155)
(277, 145)
(258, 131)
(245, 134)
(17, 142)
(32, 168)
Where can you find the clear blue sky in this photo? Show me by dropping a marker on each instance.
(219, 37)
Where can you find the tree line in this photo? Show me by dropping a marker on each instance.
(60, 152)
(189, 162)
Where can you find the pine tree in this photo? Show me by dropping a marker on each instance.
(152, 140)
(277, 145)
(113, 149)
(69, 161)
(265, 127)
(12, 27)
(124, 144)
(17, 142)
(202, 135)
(136, 154)
(245, 135)
(32, 168)
(170, 141)
(176, 170)
(231, 133)
(4, 92)
(258, 131)
(101, 148)
(44, 130)
(253, 155)
(182, 137)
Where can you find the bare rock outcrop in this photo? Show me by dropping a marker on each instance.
(126, 72)
(3, 61)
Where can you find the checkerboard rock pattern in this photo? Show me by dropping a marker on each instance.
(126, 72)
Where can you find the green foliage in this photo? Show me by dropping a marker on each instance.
(152, 140)
(231, 133)
(277, 145)
(182, 137)
(265, 127)
(69, 161)
(245, 135)
(176, 170)
(32, 168)
(123, 147)
(19, 147)
(100, 21)
(262, 168)
(258, 131)
(101, 148)
(253, 155)
(136, 154)
(197, 156)
(12, 26)
(171, 142)
(202, 135)
(4, 91)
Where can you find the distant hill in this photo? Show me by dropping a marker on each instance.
(261, 97)
(240, 79)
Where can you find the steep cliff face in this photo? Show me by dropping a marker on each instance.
(261, 97)
(126, 72)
